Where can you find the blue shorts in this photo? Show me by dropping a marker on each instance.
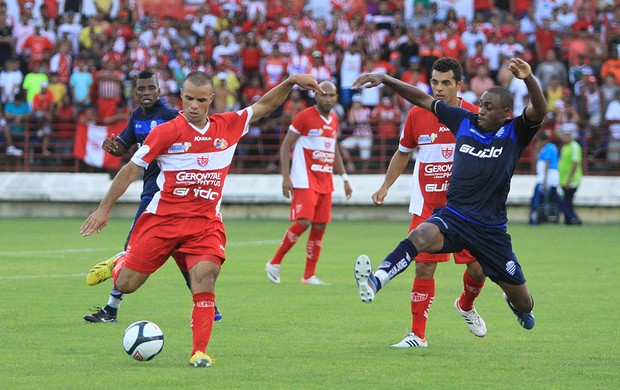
(144, 202)
(491, 246)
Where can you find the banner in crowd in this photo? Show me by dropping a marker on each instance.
(88, 141)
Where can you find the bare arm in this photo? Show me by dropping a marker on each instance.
(397, 166)
(537, 109)
(407, 91)
(276, 96)
(100, 217)
(340, 170)
(285, 162)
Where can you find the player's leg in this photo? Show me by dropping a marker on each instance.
(302, 211)
(320, 219)
(179, 258)
(473, 282)
(520, 301)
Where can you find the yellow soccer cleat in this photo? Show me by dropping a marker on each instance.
(200, 359)
(102, 271)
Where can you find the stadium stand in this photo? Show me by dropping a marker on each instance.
(249, 44)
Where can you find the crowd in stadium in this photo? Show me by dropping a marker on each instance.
(70, 61)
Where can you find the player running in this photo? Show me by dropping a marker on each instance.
(431, 175)
(488, 147)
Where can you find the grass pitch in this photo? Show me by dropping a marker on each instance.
(297, 336)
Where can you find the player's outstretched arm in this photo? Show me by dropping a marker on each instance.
(407, 91)
(536, 111)
(100, 217)
(276, 96)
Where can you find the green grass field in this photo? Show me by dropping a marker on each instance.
(297, 336)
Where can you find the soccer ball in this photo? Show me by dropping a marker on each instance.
(143, 340)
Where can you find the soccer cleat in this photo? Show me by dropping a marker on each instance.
(314, 280)
(526, 320)
(475, 323)
(100, 316)
(273, 272)
(102, 271)
(200, 359)
(366, 282)
(218, 315)
(411, 341)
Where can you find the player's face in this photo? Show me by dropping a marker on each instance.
(326, 101)
(196, 101)
(147, 92)
(444, 86)
(492, 113)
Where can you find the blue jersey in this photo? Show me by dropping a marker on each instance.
(139, 126)
(549, 153)
(483, 163)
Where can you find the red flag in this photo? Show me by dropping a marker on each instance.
(88, 141)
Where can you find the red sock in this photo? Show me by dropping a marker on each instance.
(313, 250)
(471, 290)
(290, 238)
(118, 265)
(202, 320)
(422, 295)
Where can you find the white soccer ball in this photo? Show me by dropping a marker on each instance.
(143, 340)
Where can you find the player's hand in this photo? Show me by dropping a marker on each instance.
(287, 187)
(109, 144)
(95, 222)
(378, 197)
(348, 191)
(368, 80)
(308, 82)
(519, 68)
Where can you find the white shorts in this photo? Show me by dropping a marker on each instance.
(363, 144)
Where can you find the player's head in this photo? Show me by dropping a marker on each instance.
(326, 101)
(446, 77)
(196, 97)
(146, 89)
(496, 104)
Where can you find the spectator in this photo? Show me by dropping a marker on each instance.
(472, 38)
(549, 68)
(612, 120)
(608, 89)
(386, 118)
(492, 51)
(553, 93)
(43, 108)
(481, 81)
(590, 96)
(372, 96)
(6, 38)
(16, 113)
(61, 63)
(612, 65)
(545, 39)
(11, 80)
(274, 69)
(350, 69)
(570, 173)
(33, 80)
(467, 94)
(318, 69)
(81, 84)
(109, 89)
(360, 138)
(57, 88)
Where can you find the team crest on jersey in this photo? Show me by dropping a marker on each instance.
(153, 124)
(447, 152)
(220, 143)
(179, 147)
(328, 144)
(427, 139)
(202, 161)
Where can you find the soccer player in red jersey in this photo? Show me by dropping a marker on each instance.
(194, 152)
(308, 179)
(431, 176)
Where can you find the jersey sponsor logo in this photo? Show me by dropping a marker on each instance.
(511, 267)
(438, 171)
(447, 152)
(179, 147)
(436, 187)
(204, 178)
(202, 138)
(427, 139)
(202, 161)
(443, 129)
(321, 168)
(205, 304)
(315, 132)
(324, 157)
(220, 143)
(207, 194)
(493, 152)
(418, 297)
(180, 191)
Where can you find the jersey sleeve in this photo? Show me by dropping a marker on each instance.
(450, 116)
(299, 124)
(127, 137)
(408, 141)
(525, 129)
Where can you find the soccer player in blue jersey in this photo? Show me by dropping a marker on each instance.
(488, 146)
(152, 111)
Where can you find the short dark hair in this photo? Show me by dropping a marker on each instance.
(505, 97)
(198, 79)
(146, 74)
(446, 64)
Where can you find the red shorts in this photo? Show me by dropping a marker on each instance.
(192, 239)
(462, 257)
(309, 204)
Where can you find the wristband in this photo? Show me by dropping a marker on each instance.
(344, 177)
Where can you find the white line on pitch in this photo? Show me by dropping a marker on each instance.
(18, 277)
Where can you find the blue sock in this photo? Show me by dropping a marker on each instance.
(400, 258)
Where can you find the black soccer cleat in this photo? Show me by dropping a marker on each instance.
(100, 316)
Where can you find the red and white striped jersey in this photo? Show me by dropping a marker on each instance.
(313, 155)
(193, 162)
(433, 166)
